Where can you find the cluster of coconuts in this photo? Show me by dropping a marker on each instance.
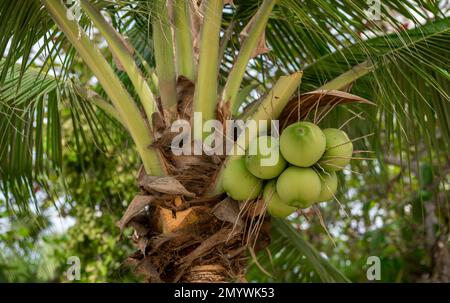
(304, 174)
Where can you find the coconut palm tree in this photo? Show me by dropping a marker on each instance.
(129, 69)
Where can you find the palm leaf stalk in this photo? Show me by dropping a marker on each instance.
(205, 97)
(184, 46)
(349, 77)
(234, 80)
(164, 54)
(98, 101)
(121, 99)
(123, 52)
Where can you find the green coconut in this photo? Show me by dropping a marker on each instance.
(339, 150)
(275, 206)
(329, 184)
(262, 163)
(238, 182)
(299, 187)
(302, 144)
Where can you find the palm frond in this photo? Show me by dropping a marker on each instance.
(409, 83)
(31, 126)
(30, 39)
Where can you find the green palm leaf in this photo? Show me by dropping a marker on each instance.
(31, 106)
(289, 250)
(409, 83)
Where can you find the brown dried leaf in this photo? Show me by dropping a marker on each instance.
(228, 211)
(337, 96)
(164, 185)
(135, 207)
(299, 107)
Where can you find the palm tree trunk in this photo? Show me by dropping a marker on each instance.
(183, 234)
(197, 240)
